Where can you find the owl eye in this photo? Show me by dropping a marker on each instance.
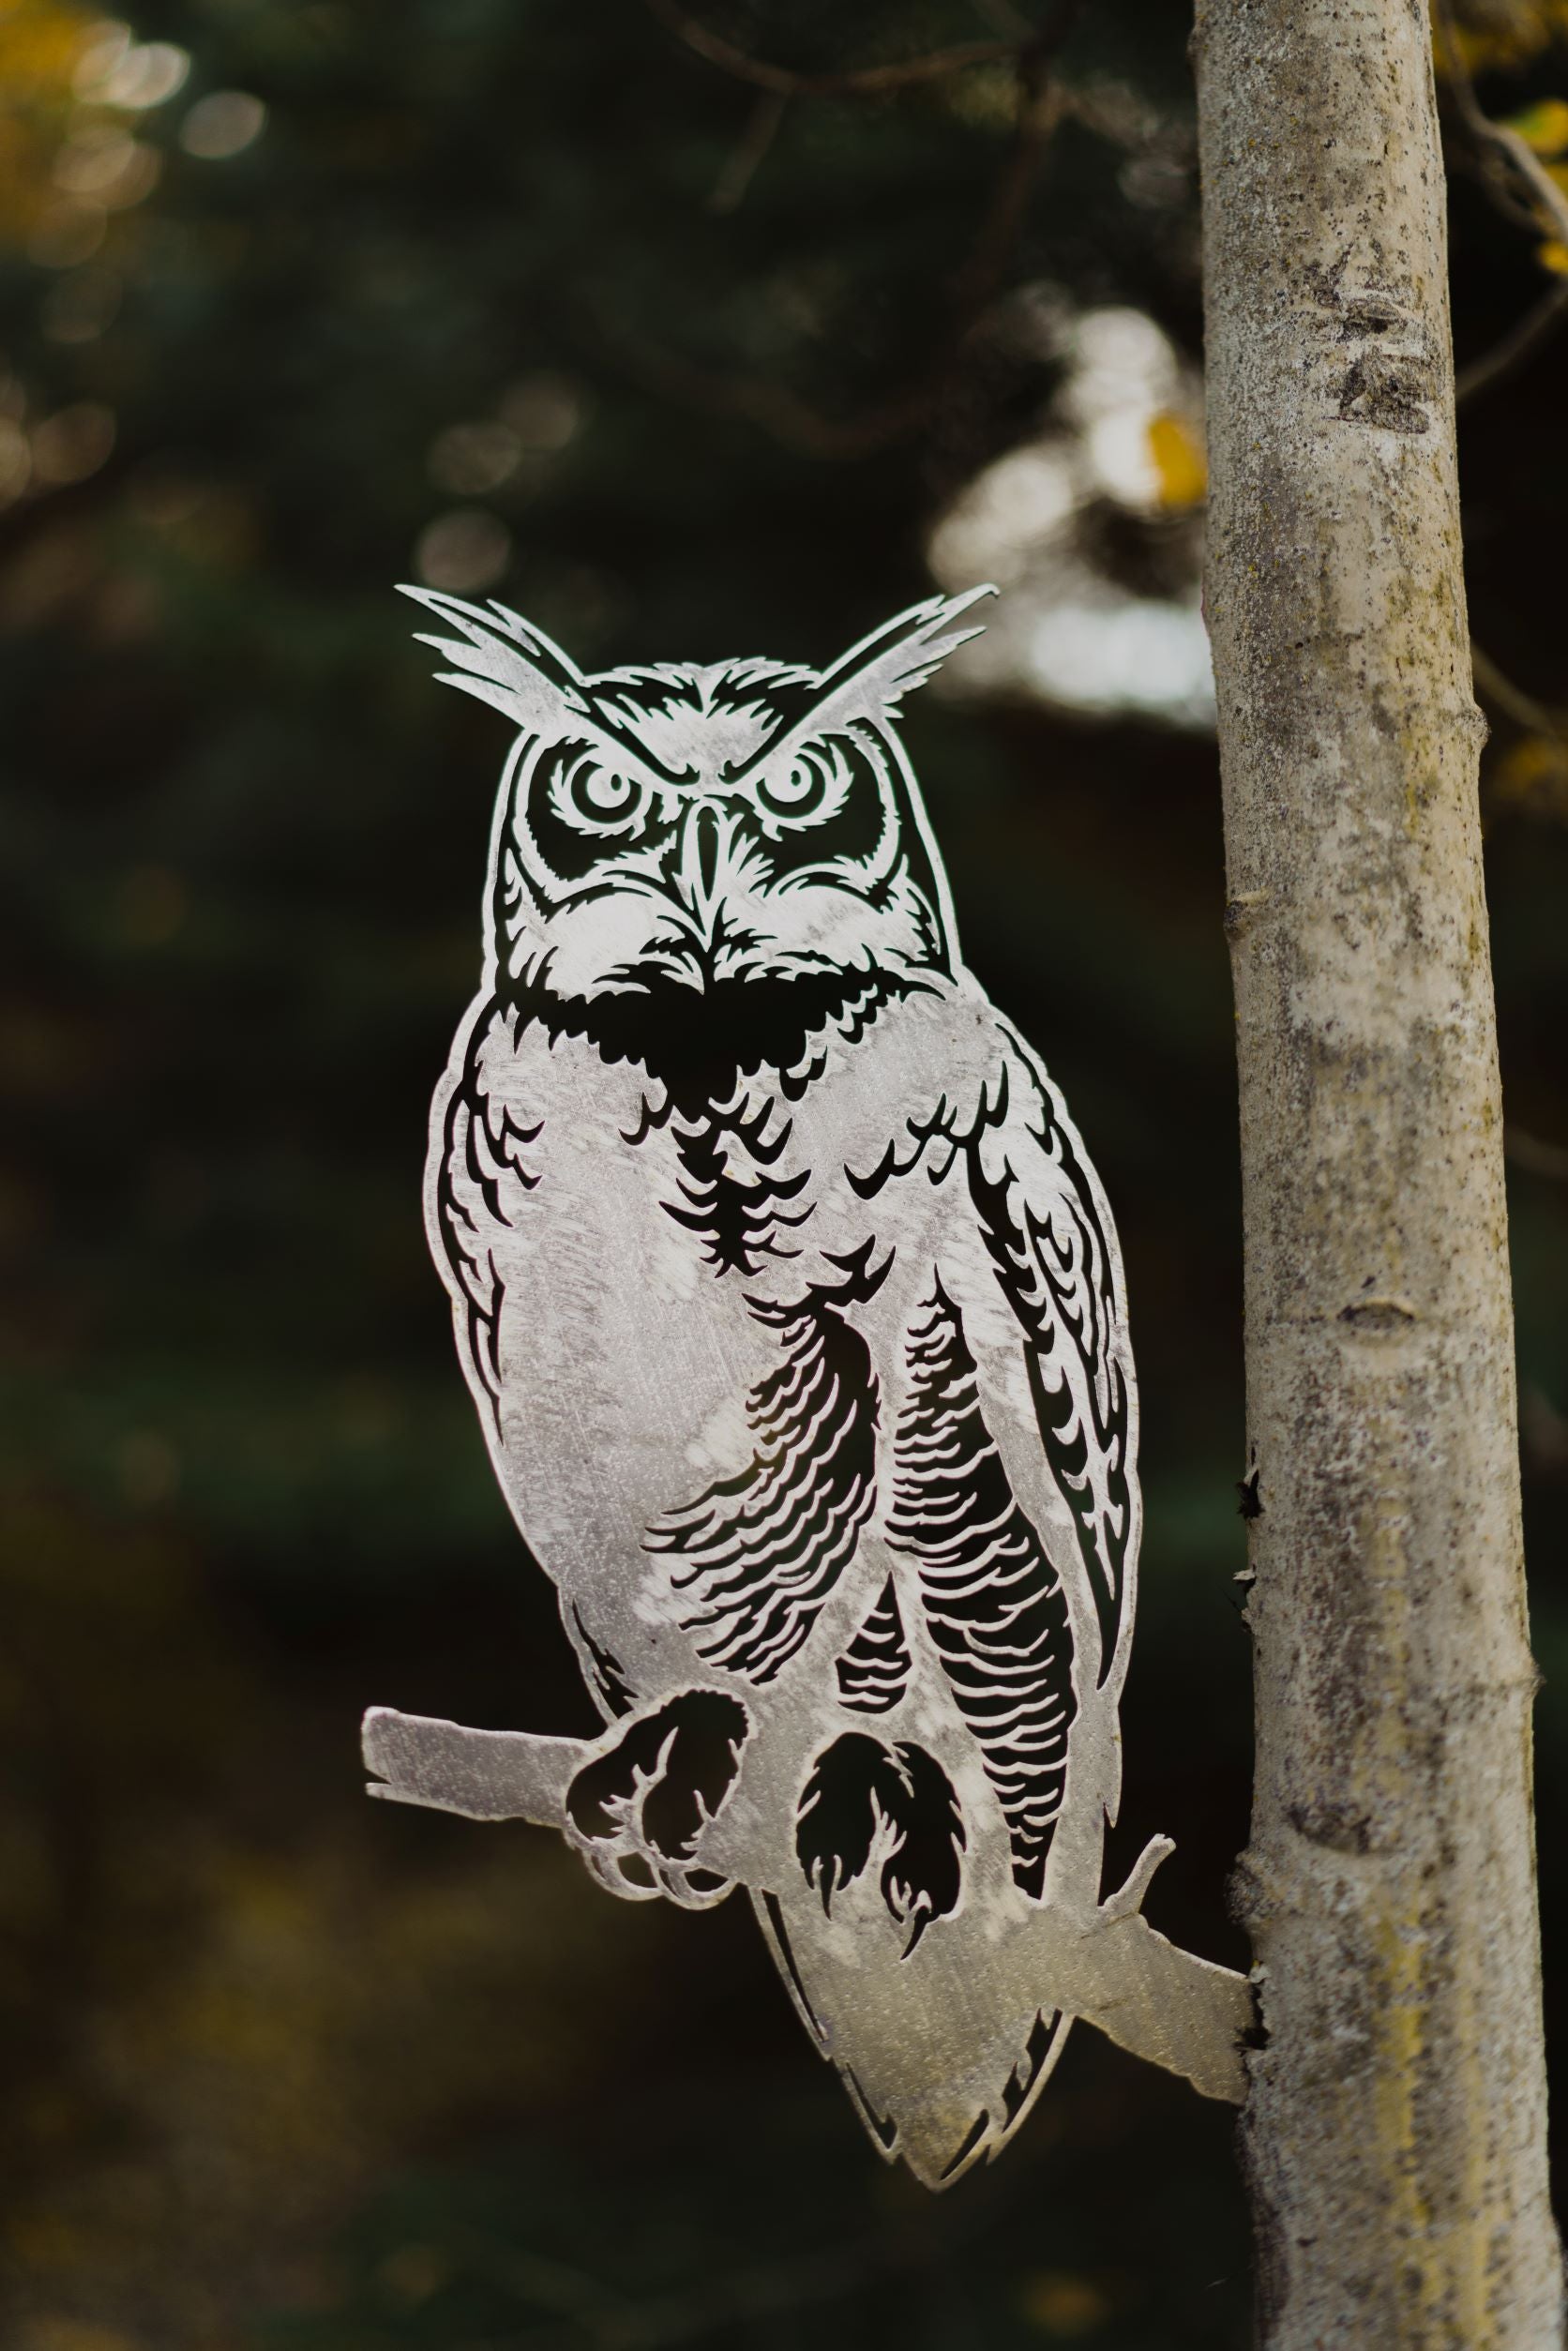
(802, 788)
(599, 797)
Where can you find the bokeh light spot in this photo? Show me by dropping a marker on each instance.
(462, 551)
(222, 124)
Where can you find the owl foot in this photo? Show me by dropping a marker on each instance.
(636, 1811)
(867, 1803)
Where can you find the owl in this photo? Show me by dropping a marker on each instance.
(794, 1314)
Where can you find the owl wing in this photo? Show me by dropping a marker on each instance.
(1047, 1232)
(755, 1558)
(1017, 1420)
(476, 1182)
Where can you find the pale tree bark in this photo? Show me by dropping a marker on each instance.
(1395, 2125)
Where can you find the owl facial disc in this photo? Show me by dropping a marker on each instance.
(680, 826)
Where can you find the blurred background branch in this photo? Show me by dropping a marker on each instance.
(1038, 104)
(861, 81)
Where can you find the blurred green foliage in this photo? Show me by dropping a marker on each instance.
(289, 2071)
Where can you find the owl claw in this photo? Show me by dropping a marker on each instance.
(636, 1811)
(622, 1871)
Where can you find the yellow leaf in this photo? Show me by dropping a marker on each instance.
(41, 46)
(1063, 2305)
(1177, 456)
(1529, 769)
(1544, 127)
(75, 2334)
(1501, 35)
(1553, 255)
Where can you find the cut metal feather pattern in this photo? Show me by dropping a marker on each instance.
(483, 1179)
(755, 1557)
(792, 1310)
(874, 1671)
(994, 1604)
(1048, 1235)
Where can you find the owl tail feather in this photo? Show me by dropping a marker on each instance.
(944, 2017)
(945, 2044)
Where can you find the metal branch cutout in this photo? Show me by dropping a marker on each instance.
(793, 1313)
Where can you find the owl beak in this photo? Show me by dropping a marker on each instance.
(703, 862)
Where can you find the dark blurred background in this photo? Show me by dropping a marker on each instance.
(529, 298)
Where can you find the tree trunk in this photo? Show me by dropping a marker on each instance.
(1395, 2133)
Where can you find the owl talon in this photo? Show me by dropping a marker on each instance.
(636, 1811)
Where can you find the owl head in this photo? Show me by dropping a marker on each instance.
(699, 825)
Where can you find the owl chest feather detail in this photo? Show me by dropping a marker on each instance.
(640, 1237)
(719, 1318)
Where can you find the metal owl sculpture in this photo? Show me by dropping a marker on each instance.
(794, 1314)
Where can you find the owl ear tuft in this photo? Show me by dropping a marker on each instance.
(893, 660)
(504, 660)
